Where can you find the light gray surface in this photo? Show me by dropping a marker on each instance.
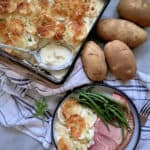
(10, 139)
(142, 54)
(13, 140)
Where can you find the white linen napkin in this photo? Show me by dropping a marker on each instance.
(17, 101)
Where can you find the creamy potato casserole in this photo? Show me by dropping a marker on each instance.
(30, 24)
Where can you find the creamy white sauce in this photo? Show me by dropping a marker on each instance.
(54, 54)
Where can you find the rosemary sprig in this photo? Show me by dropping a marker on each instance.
(109, 110)
(40, 108)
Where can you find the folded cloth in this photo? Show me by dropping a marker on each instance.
(17, 101)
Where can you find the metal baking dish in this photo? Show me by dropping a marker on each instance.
(41, 75)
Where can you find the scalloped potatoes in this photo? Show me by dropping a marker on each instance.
(75, 126)
(30, 21)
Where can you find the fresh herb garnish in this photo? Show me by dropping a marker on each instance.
(40, 108)
(109, 110)
(30, 39)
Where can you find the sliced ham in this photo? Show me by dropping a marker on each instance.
(111, 139)
(103, 142)
(120, 98)
(113, 132)
(105, 139)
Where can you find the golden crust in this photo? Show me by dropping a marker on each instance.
(46, 26)
(7, 6)
(3, 32)
(15, 26)
(74, 9)
(65, 143)
(62, 145)
(24, 8)
(2, 27)
(75, 33)
(67, 106)
(60, 29)
(44, 3)
(76, 124)
(59, 20)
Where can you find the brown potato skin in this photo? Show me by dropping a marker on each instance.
(119, 29)
(120, 59)
(94, 61)
(137, 11)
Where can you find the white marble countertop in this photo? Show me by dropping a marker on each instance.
(13, 140)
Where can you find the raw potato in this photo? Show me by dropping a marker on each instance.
(119, 29)
(137, 11)
(120, 59)
(94, 62)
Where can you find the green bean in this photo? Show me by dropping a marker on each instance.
(104, 98)
(114, 101)
(118, 110)
(122, 131)
(115, 124)
(118, 116)
(109, 110)
(96, 109)
(98, 96)
(97, 99)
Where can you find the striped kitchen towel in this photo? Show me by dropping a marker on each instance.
(17, 101)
